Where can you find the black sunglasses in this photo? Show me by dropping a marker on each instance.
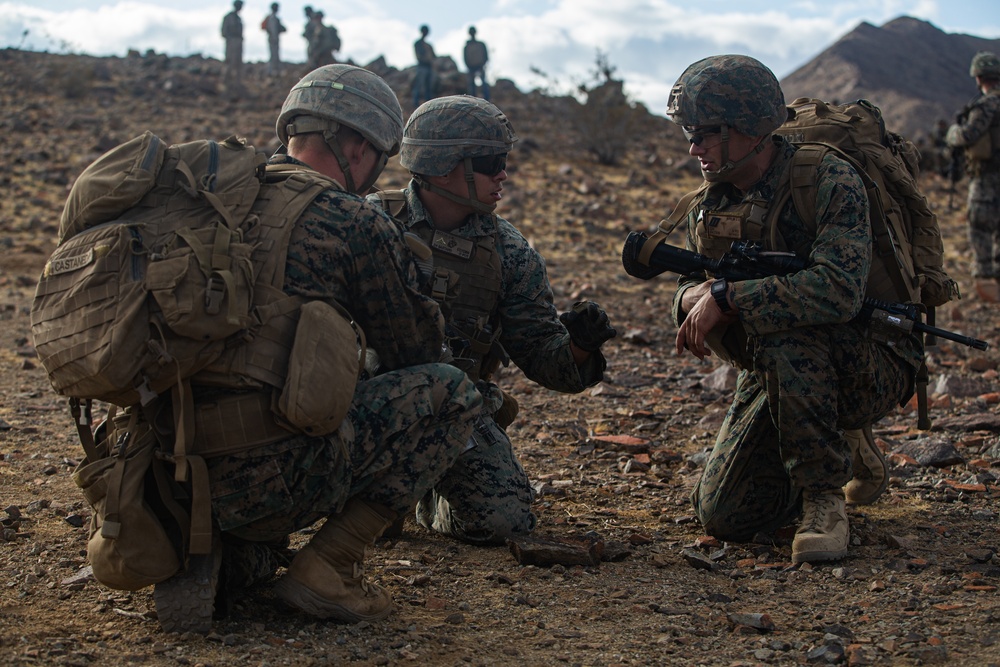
(696, 135)
(489, 165)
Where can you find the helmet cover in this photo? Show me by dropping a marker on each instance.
(346, 95)
(733, 90)
(444, 131)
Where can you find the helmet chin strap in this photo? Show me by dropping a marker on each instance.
(330, 137)
(470, 180)
(729, 165)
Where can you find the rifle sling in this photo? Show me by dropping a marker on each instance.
(669, 224)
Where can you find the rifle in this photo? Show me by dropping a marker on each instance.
(956, 155)
(953, 172)
(747, 260)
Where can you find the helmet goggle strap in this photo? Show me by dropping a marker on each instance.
(470, 180)
(729, 165)
(330, 137)
(381, 159)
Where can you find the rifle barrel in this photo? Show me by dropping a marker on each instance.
(951, 335)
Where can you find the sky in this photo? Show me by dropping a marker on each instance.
(552, 45)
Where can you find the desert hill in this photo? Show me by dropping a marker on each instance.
(910, 68)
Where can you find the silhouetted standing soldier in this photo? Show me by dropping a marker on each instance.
(424, 81)
(232, 32)
(476, 57)
(307, 35)
(273, 27)
(323, 41)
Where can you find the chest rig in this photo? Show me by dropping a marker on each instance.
(466, 282)
(719, 221)
(717, 228)
(466, 277)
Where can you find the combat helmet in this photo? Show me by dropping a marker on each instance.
(985, 64)
(732, 92)
(446, 131)
(344, 95)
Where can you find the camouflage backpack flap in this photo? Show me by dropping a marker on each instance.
(908, 259)
(117, 181)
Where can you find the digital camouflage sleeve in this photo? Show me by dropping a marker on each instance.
(355, 258)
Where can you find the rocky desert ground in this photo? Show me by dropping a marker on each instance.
(613, 465)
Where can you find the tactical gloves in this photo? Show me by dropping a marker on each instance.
(588, 325)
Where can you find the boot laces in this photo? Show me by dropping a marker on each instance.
(816, 509)
(366, 586)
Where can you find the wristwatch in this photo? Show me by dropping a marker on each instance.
(720, 292)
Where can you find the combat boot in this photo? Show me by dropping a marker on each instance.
(871, 472)
(327, 578)
(186, 601)
(823, 532)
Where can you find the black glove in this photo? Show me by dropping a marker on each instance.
(588, 325)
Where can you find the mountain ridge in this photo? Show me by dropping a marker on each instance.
(914, 71)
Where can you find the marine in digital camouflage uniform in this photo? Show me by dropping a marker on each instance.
(811, 380)
(978, 130)
(499, 304)
(404, 427)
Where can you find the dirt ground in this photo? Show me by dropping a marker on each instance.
(919, 585)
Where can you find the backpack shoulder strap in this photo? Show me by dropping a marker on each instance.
(803, 184)
(289, 190)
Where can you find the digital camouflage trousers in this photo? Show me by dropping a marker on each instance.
(403, 432)
(984, 224)
(784, 432)
(485, 497)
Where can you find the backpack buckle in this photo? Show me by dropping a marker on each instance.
(215, 292)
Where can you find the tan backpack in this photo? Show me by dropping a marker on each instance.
(168, 273)
(908, 255)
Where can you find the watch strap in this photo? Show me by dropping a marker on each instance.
(720, 292)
